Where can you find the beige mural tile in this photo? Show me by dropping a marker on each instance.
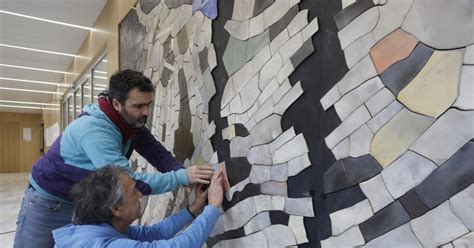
(398, 135)
(435, 87)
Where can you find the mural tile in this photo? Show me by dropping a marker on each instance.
(349, 171)
(360, 73)
(296, 165)
(260, 174)
(350, 238)
(260, 155)
(469, 55)
(257, 223)
(462, 205)
(240, 130)
(256, 44)
(412, 204)
(263, 203)
(346, 218)
(406, 172)
(358, 49)
(243, 10)
(465, 100)
(203, 59)
(296, 224)
(346, 3)
(279, 236)
(451, 131)
(383, 221)
(238, 169)
(302, 53)
(281, 24)
(256, 25)
(253, 240)
(240, 30)
(279, 172)
(398, 135)
(229, 132)
(207, 7)
(435, 88)
(352, 100)
(438, 226)
(291, 149)
(290, 47)
(360, 141)
(289, 98)
(400, 237)
(269, 70)
(349, 125)
(453, 176)
(274, 188)
(376, 192)
(278, 202)
(265, 110)
(310, 29)
(282, 139)
(393, 48)
(464, 241)
(260, 59)
(351, 12)
(299, 206)
(298, 22)
(148, 6)
(276, 11)
(282, 90)
(268, 91)
(398, 75)
(239, 146)
(285, 71)
(424, 23)
(279, 40)
(249, 94)
(261, 5)
(342, 149)
(266, 130)
(379, 101)
(234, 55)
(391, 16)
(357, 28)
(384, 116)
(331, 97)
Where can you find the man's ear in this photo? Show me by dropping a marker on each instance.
(116, 211)
(117, 105)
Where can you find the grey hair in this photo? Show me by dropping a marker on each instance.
(96, 193)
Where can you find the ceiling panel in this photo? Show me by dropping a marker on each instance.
(33, 59)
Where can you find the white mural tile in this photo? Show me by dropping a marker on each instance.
(376, 192)
(346, 218)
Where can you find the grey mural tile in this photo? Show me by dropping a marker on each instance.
(279, 172)
(281, 24)
(296, 165)
(464, 241)
(249, 94)
(269, 70)
(399, 237)
(398, 75)
(360, 73)
(296, 224)
(299, 206)
(352, 100)
(289, 98)
(261, 5)
(376, 192)
(256, 44)
(346, 218)
(239, 146)
(462, 205)
(183, 42)
(267, 92)
(260, 155)
(465, 100)
(342, 149)
(331, 97)
(452, 130)
(351, 238)
(350, 171)
(438, 226)
(276, 11)
(423, 22)
(260, 174)
(412, 204)
(453, 176)
(360, 26)
(147, 6)
(274, 188)
(282, 139)
(298, 22)
(384, 116)
(391, 16)
(203, 63)
(291, 149)
(257, 223)
(360, 141)
(351, 12)
(356, 51)
(385, 220)
(243, 10)
(234, 55)
(239, 214)
(279, 40)
(263, 111)
(349, 125)
(266, 130)
(406, 172)
(302, 53)
(240, 30)
(379, 101)
(279, 236)
(285, 72)
(290, 47)
(469, 55)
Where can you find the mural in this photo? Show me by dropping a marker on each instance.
(340, 123)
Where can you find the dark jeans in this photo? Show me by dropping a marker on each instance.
(38, 216)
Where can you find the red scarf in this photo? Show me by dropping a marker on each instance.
(105, 104)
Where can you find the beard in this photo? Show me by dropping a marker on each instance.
(133, 122)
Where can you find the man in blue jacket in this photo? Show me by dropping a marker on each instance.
(106, 133)
(107, 202)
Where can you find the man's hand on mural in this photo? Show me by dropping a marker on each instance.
(215, 193)
(199, 174)
(200, 197)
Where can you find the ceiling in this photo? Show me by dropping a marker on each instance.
(25, 32)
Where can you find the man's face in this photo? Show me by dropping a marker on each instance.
(130, 208)
(136, 108)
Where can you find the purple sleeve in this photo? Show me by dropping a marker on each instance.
(155, 153)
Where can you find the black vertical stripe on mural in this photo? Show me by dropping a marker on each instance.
(220, 38)
(318, 74)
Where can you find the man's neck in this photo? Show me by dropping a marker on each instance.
(121, 225)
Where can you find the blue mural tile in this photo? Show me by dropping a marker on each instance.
(207, 7)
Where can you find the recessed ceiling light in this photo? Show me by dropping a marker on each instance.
(99, 77)
(46, 20)
(38, 50)
(30, 103)
(35, 82)
(35, 69)
(27, 90)
(103, 72)
(28, 107)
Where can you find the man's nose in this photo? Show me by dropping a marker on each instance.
(146, 110)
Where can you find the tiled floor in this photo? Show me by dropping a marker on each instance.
(12, 186)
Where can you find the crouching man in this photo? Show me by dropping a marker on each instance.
(106, 202)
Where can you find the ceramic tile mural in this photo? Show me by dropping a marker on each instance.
(341, 123)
